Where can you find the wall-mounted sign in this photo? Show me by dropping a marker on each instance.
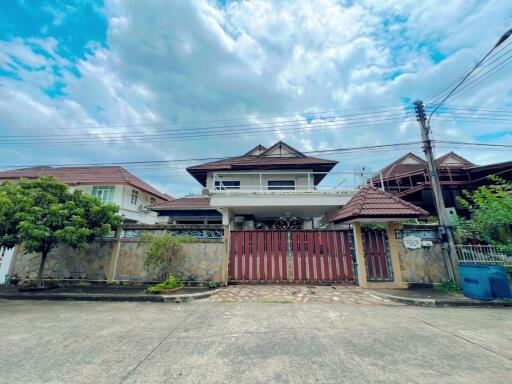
(426, 243)
(427, 234)
(412, 242)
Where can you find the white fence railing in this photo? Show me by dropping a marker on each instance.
(482, 254)
(281, 181)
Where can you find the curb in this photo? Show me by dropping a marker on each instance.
(109, 297)
(444, 302)
(188, 297)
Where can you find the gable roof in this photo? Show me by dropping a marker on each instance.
(371, 202)
(412, 163)
(183, 203)
(279, 147)
(453, 159)
(407, 163)
(257, 150)
(293, 159)
(85, 176)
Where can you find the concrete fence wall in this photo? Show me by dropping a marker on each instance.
(425, 264)
(122, 259)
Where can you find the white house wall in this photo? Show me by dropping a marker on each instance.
(271, 203)
(251, 180)
(122, 198)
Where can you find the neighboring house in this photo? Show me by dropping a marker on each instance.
(111, 184)
(187, 210)
(408, 178)
(275, 187)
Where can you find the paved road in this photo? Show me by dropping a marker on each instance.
(86, 342)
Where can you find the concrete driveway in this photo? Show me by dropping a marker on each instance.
(247, 342)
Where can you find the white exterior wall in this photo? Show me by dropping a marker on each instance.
(250, 180)
(122, 198)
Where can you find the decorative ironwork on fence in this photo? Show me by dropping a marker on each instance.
(482, 254)
(200, 232)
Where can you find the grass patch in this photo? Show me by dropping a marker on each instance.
(448, 286)
(171, 283)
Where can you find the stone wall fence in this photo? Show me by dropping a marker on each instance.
(120, 258)
(420, 253)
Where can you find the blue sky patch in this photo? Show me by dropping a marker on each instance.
(75, 24)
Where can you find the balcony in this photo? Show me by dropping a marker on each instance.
(291, 182)
(269, 193)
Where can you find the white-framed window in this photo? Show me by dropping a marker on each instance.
(104, 192)
(135, 196)
(281, 185)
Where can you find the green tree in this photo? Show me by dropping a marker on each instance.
(491, 214)
(43, 213)
(162, 248)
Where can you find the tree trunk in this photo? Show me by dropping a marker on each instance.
(44, 254)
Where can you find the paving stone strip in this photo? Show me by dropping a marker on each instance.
(343, 294)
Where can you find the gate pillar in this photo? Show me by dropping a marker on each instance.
(395, 259)
(361, 262)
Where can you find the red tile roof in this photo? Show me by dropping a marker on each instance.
(371, 202)
(85, 176)
(184, 202)
(264, 161)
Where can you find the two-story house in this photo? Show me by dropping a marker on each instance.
(111, 184)
(275, 187)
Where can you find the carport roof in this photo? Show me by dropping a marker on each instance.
(371, 202)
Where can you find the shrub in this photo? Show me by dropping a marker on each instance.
(162, 249)
(171, 283)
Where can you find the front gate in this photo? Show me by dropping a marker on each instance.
(376, 252)
(293, 256)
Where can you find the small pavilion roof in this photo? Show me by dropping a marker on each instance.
(371, 202)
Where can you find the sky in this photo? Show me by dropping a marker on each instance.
(108, 80)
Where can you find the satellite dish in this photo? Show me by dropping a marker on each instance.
(363, 172)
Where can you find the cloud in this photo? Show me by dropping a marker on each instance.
(201, 61)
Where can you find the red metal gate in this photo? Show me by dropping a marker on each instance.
(298, 256)
(376, 251)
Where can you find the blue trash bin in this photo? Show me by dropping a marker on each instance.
(500, 285)
(475, 281)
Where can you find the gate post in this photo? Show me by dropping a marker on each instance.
(111, 273)
(227, 252)
(361, 260)
(393, 250)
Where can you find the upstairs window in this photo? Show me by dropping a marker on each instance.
(227, 185)
(281, 185)
(152, 201)
(135, 197)
(104, 192)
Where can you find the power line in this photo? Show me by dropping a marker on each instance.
(333, 151)
(200, 136)
(363, 148)
(446, 89)
(305, 115)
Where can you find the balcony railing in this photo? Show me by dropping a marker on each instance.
(280, 182)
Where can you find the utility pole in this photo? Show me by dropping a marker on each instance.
(444, 222)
